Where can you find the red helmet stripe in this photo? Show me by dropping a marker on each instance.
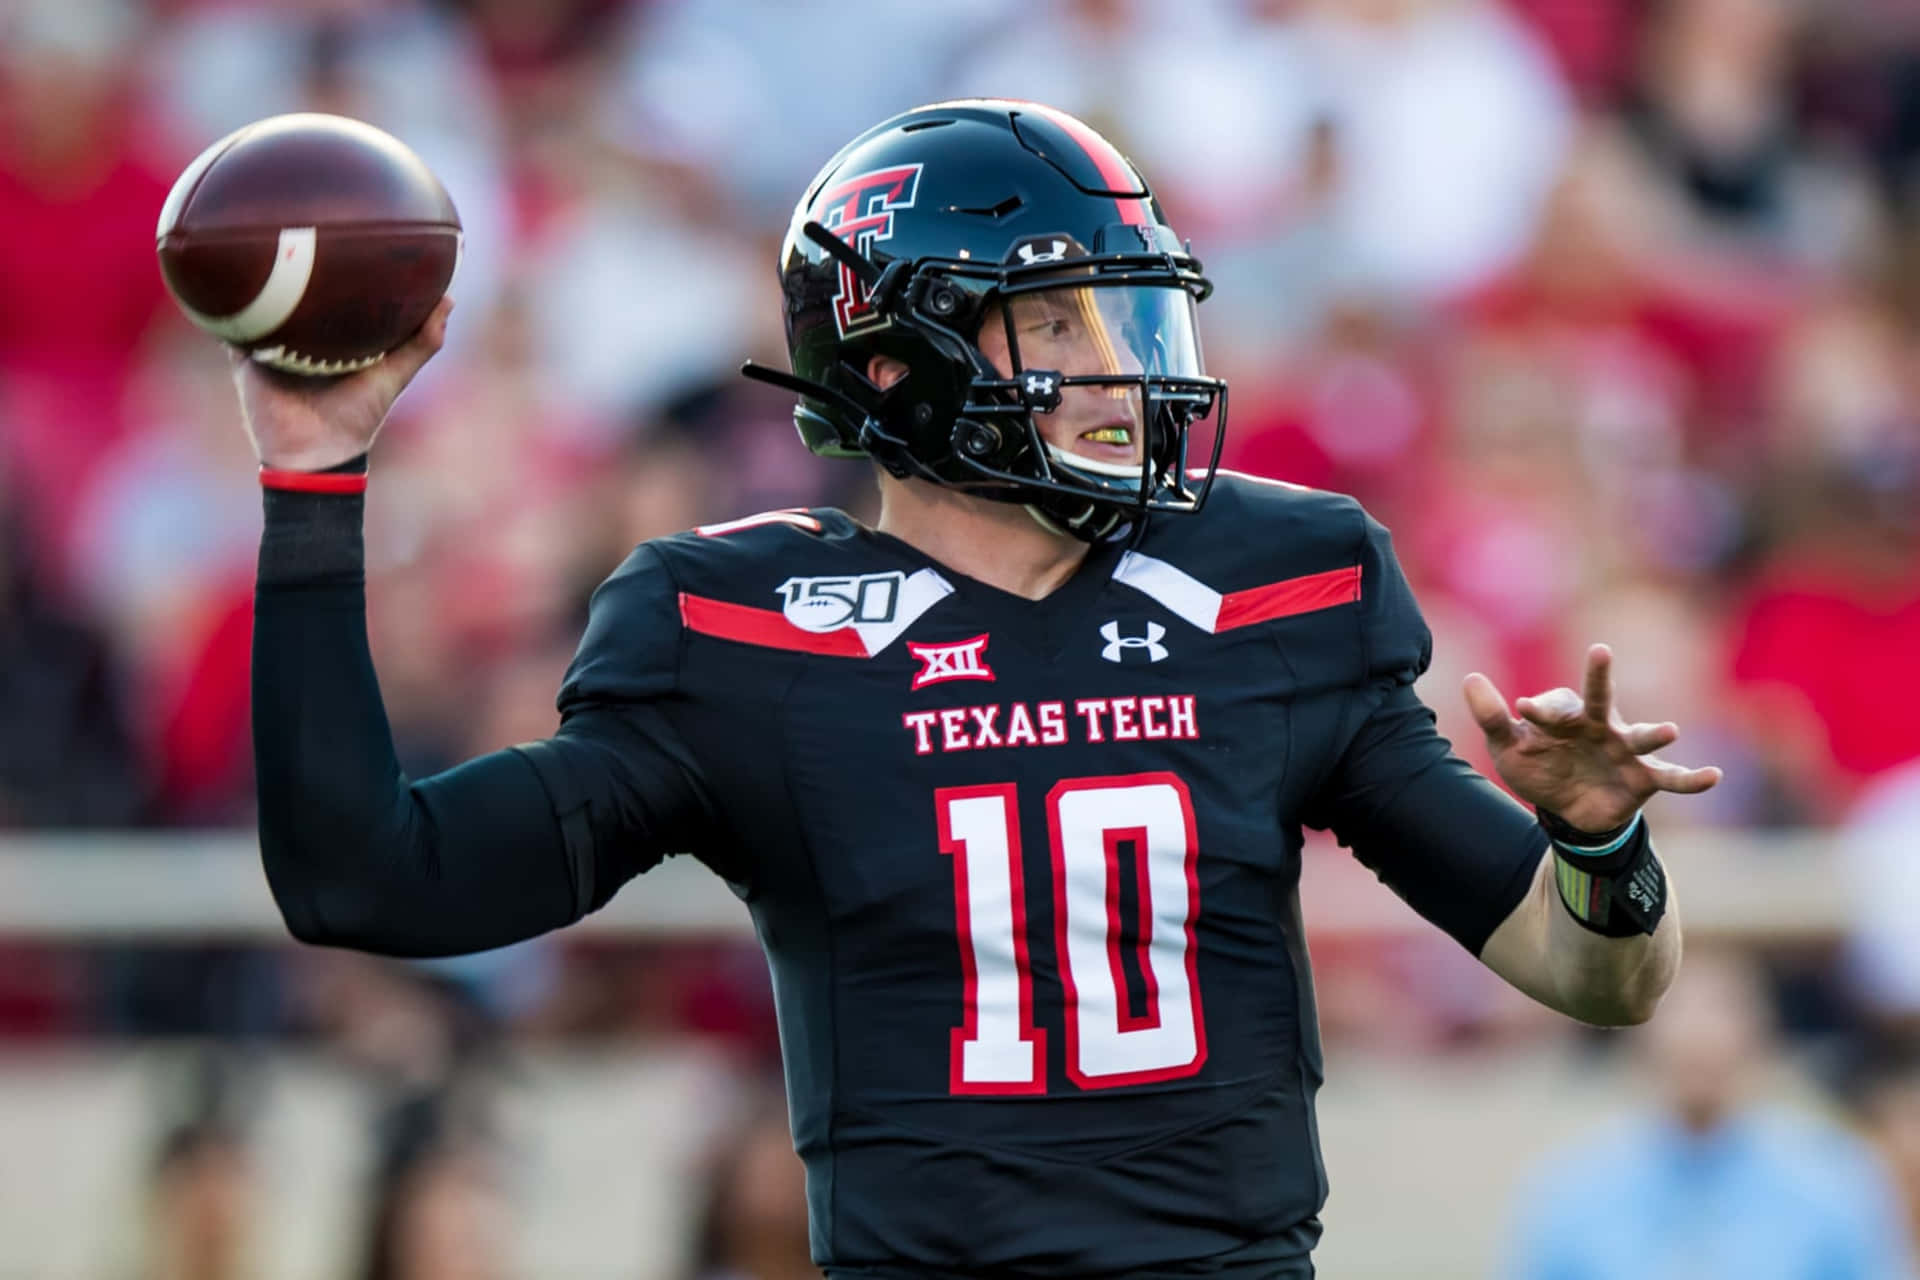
(1111, 164)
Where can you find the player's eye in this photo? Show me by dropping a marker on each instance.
(1050, 327)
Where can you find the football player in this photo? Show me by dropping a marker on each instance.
(1013, 782)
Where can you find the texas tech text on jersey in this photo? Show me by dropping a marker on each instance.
(1150, 717)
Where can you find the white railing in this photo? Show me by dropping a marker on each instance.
(200, 885)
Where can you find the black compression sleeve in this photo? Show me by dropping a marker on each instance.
(498, 849)
(1454, 846)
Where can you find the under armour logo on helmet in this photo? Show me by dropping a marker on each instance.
(1040, 389)
(1117, 644)
(1031, 253)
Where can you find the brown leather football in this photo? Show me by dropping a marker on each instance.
(313, 242)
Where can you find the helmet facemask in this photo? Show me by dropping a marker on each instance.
(1085, 391)
(1109, 348)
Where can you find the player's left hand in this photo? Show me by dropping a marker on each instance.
(1575, 755)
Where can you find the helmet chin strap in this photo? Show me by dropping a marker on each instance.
(1128, 471)
(1093, 527)
(1046, 521)
(1099, 521)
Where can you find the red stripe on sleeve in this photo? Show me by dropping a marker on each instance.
(1283, 599)
(314, 481)
(765, 627)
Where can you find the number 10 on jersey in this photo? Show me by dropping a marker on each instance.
(1112, 1038)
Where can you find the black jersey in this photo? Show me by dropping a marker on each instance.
(1025, 871)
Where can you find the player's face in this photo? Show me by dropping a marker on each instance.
(1081, 331)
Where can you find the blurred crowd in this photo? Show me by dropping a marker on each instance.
(438, 1183)
(1610, 308)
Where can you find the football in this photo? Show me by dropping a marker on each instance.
(315, 243)
(819, 613)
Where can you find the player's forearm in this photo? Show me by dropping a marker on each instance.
(355, 854)
(1608, 982)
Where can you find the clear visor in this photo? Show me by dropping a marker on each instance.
(1091, 389)
(1104, 331)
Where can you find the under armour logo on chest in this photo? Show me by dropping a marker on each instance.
(1117, 644)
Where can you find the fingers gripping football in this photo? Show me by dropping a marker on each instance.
(1573, 753)
(309, 424)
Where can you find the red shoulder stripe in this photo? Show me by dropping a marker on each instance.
(797, 518)
(767, 628)
(1291, 596)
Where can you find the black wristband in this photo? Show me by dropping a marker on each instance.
(1561, 832)
(313, 538)
(1609, 882)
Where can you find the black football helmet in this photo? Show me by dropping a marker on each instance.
(951, 216)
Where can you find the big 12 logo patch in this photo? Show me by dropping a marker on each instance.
(828, 604)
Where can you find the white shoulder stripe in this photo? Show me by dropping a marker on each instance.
(1200, 473)
(795, 517)
(1177, 590)
(922, 590)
